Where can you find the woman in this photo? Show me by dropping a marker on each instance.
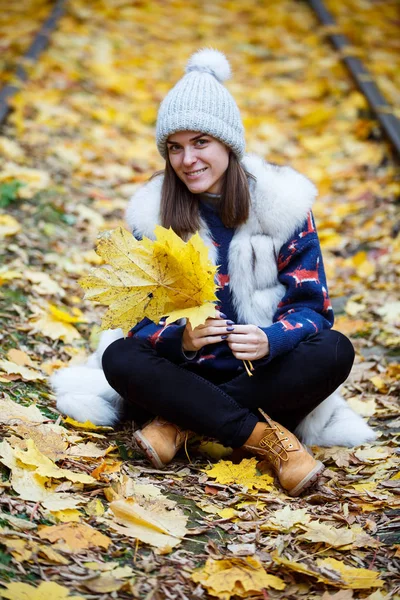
(273, 309)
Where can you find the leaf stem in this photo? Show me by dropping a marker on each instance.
(249, 367)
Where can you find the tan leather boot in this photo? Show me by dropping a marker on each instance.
(160, 441)
(295, 467)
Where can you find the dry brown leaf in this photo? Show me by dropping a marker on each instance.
(11, 412)
(74, 537)
(49, 439)
(25, 373)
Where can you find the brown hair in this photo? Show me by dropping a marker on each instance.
(180, 208)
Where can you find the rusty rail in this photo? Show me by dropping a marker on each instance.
(39, 43)
(361, 75)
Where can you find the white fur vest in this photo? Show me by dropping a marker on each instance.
(280, 201)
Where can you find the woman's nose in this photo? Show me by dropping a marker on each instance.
(189, 157)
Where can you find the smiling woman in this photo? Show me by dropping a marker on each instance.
(273, 304)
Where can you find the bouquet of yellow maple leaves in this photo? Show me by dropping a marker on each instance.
(152, 279)
(164, 277)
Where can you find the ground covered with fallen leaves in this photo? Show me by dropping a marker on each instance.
(82, 515)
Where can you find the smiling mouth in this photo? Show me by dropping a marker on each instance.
(196, 172)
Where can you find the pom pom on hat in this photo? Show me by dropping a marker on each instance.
(210, 61)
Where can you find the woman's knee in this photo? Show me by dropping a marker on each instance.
(341, 353)
(113, 359)
(125, 358)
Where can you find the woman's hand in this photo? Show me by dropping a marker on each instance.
(212, 332)
(248, 342)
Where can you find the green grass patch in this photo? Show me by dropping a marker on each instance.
(13, 296)
(9, 193)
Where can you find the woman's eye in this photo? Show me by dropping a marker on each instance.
(174, 148)
(202, 142)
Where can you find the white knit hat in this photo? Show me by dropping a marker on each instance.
(198, 102)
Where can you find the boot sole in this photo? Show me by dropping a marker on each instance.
(148, 450)
(308, 480)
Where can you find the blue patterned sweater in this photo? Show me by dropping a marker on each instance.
(304, 309)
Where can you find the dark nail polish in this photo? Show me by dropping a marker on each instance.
(222, 315)
(230, 329)
(223, 337)
(230, 323)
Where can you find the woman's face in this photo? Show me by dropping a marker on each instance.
(199, 160)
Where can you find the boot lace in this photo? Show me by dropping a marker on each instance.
(271, 442)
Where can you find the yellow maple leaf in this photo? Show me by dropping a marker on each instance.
(371, 453)
(364, 486)
(286, 518)
(8, 226)
(20, 549)
(95, 508)
(350, 326)
(235, 577)
(379, 384)
(45, 467)
(152, 279)
(154, 524)
(49, 325)
(245, 473)
(89, 450)
(52, 554)
(353, 308)
(8, 275)
(68, 515)
(47, 589)
(227, 513)
(23, 549)
(334, 536)
(155, 516)
(10, 149)
(214, 449)
(32, 486)
(352, 577)
(43, 284)
(76, 536)
(365, 408)
(317, 116)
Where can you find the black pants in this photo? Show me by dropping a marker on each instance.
(287, 388)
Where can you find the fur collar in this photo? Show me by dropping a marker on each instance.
(280, 200)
